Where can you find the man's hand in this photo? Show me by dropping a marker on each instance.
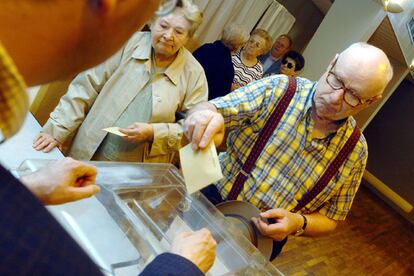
(286, 223)
(62, 181)
(203, 126)
(45, 142)
(199, 247)
(138, 132)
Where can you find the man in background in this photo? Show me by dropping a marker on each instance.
(41, 41)
(273, 59)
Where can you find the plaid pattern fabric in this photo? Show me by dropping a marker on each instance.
(14, 102)
(292, 161)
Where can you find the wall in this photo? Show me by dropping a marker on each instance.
(347, 21)
(399, 23)
(308, 18)
(390, 137)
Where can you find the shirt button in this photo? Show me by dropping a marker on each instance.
(291, 173)
(159, 99)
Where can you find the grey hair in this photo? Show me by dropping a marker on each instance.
(191, 12)
(234, 36)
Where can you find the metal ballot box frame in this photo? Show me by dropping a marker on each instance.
(140, 209)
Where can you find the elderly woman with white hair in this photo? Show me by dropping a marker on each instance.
(216, 59)
(139, 90)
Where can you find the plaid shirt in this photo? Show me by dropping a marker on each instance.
(292, 161)
(14, 102)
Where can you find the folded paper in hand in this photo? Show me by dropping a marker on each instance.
(114, 130)
(200, 168)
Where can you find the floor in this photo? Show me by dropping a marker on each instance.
(373, 240)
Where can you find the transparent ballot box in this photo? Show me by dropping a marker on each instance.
(140, 209)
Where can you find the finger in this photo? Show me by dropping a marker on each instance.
(262, 226)
(39, 139)
(273, 213)
(76, 193)
(49, 147)
(43, 145)
(183, 234)
(129, 131)
(85, 171)
(213, 128)
(198, 133)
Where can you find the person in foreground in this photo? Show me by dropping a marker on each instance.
(72, 36)
(300, 151)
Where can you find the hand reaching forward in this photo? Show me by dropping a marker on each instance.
(138, 132)
(199, 247)
(62, 181)
(45, 142)
(286, 223)
(203, 126)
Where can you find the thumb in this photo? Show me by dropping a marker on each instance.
(83, 192)
(273, 213)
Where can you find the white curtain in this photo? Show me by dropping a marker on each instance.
(277, 20)
(218, 13)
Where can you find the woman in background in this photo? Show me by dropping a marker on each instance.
(217, 62)
(292, 63)
(247, 67)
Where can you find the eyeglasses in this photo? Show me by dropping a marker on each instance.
(349, 95)
(288, 64)
(167, 7)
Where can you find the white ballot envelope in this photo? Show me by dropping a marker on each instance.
(200, 168)
(114, 130)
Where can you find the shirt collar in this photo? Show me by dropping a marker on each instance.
(173, 71)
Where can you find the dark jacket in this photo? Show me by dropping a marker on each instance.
(216, 61)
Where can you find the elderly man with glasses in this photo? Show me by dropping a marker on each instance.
(293, 147)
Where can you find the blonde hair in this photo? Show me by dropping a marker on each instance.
(265, 35)
(234, 36)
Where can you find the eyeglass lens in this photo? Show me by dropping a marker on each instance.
(288, 64)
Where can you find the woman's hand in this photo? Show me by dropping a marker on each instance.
(45, 142)
(138, 132)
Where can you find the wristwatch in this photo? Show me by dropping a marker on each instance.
(301, 230)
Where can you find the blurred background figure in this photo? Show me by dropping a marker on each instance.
(216, 59)
(292, 63)
(273, 59)
(139, 89)
(247, 67)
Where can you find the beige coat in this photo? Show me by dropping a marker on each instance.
(97, 97)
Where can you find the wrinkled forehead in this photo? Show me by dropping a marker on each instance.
(176, 19)
(362, 73)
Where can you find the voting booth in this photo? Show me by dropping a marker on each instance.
(140, 209)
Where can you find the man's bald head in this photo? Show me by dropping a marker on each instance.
(372, 59)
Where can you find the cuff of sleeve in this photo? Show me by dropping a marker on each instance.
(167, 139)
(171, 264)
(60, 134)
(333, 213)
